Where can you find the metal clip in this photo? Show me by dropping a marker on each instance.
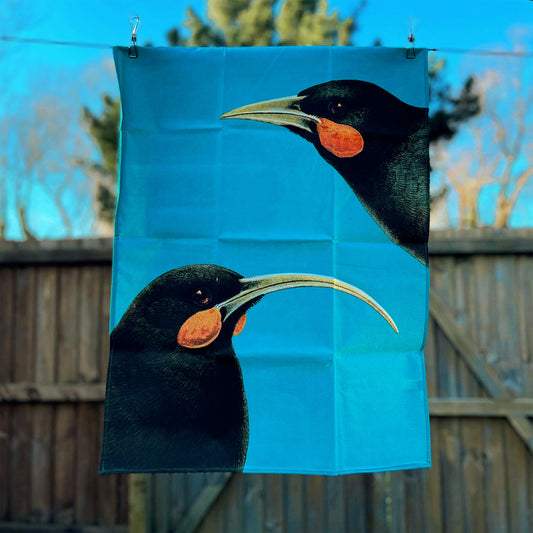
(134, 24)
(410, 53)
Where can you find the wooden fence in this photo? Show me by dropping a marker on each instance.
(54, 311)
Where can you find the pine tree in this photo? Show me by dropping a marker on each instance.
(104, 130)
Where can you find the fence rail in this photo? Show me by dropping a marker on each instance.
(54, 312)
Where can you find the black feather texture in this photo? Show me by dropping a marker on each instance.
(171, 408)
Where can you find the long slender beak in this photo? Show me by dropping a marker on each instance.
(256, 287)
(282, 112)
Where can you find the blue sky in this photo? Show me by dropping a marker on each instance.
(456, 24)
(473, 24)
(452, 23)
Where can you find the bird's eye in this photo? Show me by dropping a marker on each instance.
(336, 108)
(202, 297)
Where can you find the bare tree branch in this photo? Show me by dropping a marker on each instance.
(498, 152)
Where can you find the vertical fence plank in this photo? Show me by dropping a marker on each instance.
(469, 301)
(378, 503)
(335, 505)
(195, 484)
(103, 314)
(449, 435)
(398, 502)
(178, 488)
(274, 503)
(107, 486)
(495, 477)
(23, 370)
(409, 501)
(429, 480)
(233, 498)
(516, 455)
(213, 521)
(43, 415)
(139, 496)
(89, 342)
(5, 484)
(7, 345)
(87, 436)
(486, 327)
(515, 464)
(355, 497)
(433, 486)
(215, 518)
(493, 288)
(24, 324)
(294, 494)
(517, 481)
(505, 275)
(64, 471)
(254, 503)
(46, 303)
(66, 415)
(41, 464)
(160, 503)
(524, 302)
(525, 306)
(314, 501)
(21, 433)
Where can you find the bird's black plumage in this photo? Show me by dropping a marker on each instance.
(389, 174)
(170, 407)
(175, 398)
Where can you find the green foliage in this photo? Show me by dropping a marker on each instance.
(104, 131)
(256, 23)
(306, 22)
(449, 112)
(260, 23)
(106, 198)
(200, 34)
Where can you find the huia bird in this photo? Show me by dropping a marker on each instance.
(175, 393)
(378, 144)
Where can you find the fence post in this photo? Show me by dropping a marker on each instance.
(138, 497)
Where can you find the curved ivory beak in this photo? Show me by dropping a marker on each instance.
(282, 112)
(257, 287)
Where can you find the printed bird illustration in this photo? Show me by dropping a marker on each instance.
(377, 142)
(175, 393)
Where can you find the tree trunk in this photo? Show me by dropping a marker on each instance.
(504, 208)
(28, 235)
(468, 210)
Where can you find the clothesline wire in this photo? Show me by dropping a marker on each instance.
(481, 52)
(31, 40)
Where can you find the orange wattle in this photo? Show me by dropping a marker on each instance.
(339, 139)
(201, 329)
(240, 325)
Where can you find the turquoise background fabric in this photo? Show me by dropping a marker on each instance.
(331, 388)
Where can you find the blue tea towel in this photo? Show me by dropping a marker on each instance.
(270, 275)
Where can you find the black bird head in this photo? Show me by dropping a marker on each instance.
(374, 140)
(175, 396)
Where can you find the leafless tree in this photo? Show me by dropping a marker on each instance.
(42, 142)
(15, 17)
(490, 165)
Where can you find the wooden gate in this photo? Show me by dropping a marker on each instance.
(479, 365)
